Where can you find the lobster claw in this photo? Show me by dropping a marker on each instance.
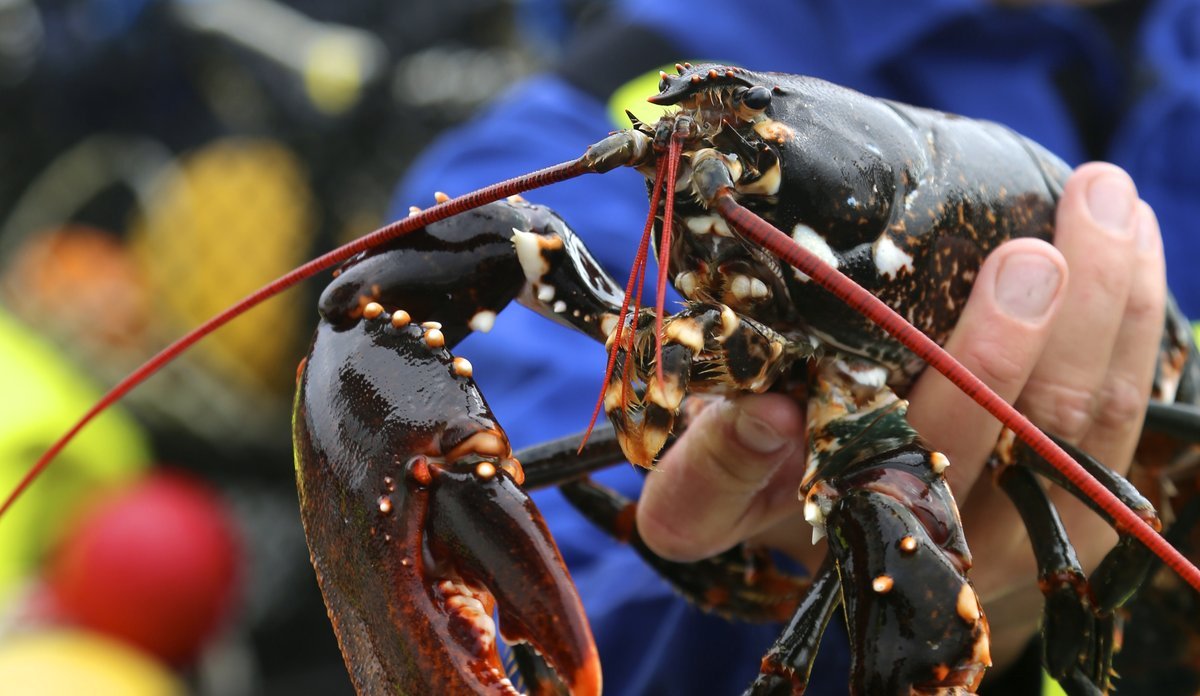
(418, 528)
(480, 518)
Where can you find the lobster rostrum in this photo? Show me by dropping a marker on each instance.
(415, 505)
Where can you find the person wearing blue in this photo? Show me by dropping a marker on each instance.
(1117, 81)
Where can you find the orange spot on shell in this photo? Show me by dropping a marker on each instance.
(968, 604)
(514, 469)
(372, 310)
(419, 469)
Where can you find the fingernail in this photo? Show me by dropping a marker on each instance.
(756, 435)
(1026, 286)
(1110, 199)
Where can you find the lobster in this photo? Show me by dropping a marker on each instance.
(415, 506)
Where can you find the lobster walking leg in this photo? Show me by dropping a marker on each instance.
(786, 667)
(880, 496)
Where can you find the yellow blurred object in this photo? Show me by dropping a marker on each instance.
(333, 73)
(43, 396)
(631, 96)
(235, 215)
(69, 663)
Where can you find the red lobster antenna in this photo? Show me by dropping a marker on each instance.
(637, 276)
(669, 167)
(761, 232)
(664, 251)
(454, 206)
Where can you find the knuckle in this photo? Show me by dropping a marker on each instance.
(996, 364)
(1120, 403)
(1146, 305)
(1064, 410)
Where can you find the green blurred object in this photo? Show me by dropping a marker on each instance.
(1050, 687)
(43, 395)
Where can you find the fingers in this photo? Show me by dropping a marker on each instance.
(1093, 373)
(736, 471)
(1000, 337)
(1093, 383)
(1121, 401)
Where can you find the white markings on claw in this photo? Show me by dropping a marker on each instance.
(910, 197)
(729, 322)
(968, 604)
(938, 462)
(686, 283)
(608, 322)
(483, 321)
(529, 254)
(559, 307)
(765, 185)
(866, 374)
(545, 293)
(808, 238)
(747, 288)
(816, 517)
(740, 287)
(708, 224)
(889, 258)
(686, 332)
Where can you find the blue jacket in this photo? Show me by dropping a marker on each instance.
(964, 56)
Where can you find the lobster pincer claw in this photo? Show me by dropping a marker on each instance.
(419, 530)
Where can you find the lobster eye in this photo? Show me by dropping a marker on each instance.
(757, 98)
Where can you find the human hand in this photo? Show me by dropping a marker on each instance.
(1076, 355)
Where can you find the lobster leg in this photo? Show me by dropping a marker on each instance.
(739, 582)
(1076, 634)
(916, 625)
(786, 666)
(1126, 566)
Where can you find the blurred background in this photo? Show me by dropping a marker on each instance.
(158, 160)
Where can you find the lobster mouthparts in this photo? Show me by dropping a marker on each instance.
(418, 528)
